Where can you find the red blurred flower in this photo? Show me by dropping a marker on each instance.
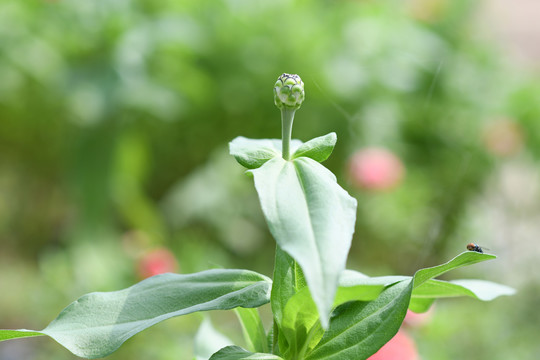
(375, 169)
(401, 347)
(157, 261)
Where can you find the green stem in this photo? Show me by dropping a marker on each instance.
(275, 337)
(287, 117)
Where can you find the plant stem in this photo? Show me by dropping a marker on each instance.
(287, 117)
(275, 336)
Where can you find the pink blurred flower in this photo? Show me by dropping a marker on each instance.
(375, 169)
(401, 347)
(503, 137)
(157, 261)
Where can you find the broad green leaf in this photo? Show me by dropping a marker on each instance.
(439, 289)
(360, 292)
(478, 289)
(424, 295)
(357, 286)
(300, 328)
(463, 259)
(354, 285)
(318, 149)
(288, 280)
(484, 290)
(358, 328)
(208, 340)
(253, 153)
(97, 324)
(253, 329)
(237, 353)
(312, 219)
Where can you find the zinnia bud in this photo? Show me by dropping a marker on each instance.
(289, 91)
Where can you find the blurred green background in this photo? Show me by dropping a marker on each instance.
(115, 117)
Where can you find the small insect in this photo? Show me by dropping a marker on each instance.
(475, 247)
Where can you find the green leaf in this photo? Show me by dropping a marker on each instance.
(288, 280)
(424, 295)
(439, 289)
(97, 324)
(253, 329)
(312, 219)
(300, 328)
(478, 289)
(358, 329)
(354, 285)
(253, 153)
(351, 278)
(237, 353)
(208, 340)
(357, 286)
(420, 305)
(463, 259)
(318, 149)
(484, 290)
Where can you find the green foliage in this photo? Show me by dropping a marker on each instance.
(300, 329)
(311, 218)
(425, 290)
(358, 329)
(320, 311)
(150, 84)
(318, 149)
(252, 153)
(367, 311)
(171, 73)
(96, 324)
(253, 329)
(237, 353)
(288, 280)
(463, 259)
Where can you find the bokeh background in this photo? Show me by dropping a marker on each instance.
(115, 117)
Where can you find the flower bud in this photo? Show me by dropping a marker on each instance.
(289, 91)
